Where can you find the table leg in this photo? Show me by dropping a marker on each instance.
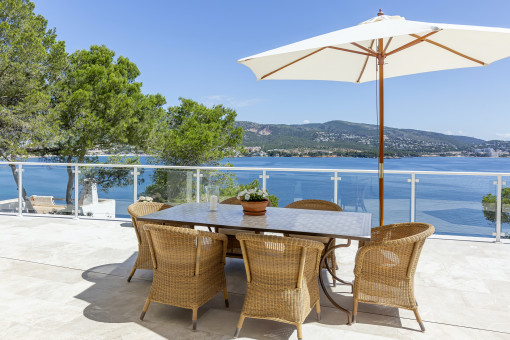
(321, 280)
(328, 247)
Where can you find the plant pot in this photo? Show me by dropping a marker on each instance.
(254, 208)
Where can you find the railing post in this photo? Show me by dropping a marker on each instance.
(76, 191)
(198, 185)
(20, 190)
(499, 184)
(335, 180)
(413, 181)
(264, 177)
(135, 174)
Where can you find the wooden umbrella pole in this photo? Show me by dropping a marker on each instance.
(380, 59)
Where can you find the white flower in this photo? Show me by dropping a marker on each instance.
(259, 192)
(246, 197)
(238, 197)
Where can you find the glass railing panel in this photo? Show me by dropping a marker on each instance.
(359, 193)
(105, 192)
(294, 186)
(505, 212)
(453, 204)
(167, 185)
(47, 190)
(397, 199)
(8, 190)
(230, 182)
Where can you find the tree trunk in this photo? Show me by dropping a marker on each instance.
(70, 183)
(24, 195)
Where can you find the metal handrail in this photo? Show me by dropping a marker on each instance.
(182, 167)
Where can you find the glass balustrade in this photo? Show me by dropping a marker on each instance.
(172, 186)
(462, 205)
(230, 182)
(505, 207)
(105, 192)
(295, 186)
(453, 204)
(49, 190)
(8, 189)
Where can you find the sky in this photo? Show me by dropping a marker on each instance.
(190, 49)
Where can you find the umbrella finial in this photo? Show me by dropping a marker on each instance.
(380, 13)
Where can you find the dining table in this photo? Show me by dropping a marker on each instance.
(331, 224)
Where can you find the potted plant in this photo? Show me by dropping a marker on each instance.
(254, 201)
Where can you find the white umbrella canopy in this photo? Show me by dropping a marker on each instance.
(324, 57)
(394, 45)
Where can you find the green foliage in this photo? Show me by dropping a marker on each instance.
(31, 60)
(101, 105)
(191, 134)
(197, 135)
(489, 206)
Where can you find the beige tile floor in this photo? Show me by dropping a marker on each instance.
(66, 279)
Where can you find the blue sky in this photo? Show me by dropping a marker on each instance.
(190, 48)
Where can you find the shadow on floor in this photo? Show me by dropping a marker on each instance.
(113, 300)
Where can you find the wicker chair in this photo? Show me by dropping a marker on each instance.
(135, 210)
(233, 248)
(282, 280)
(188, 267)
(318, 205)
(385, 267)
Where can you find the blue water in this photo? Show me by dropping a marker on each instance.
(451, 203)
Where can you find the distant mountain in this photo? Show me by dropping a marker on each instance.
(338, 136)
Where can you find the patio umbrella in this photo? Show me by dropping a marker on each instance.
(398, 47)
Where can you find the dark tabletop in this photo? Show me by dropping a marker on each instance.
(334, 224)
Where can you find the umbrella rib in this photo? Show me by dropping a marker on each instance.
(412, 43)
(371, 54)
(452, 50)
(387, 44)
(365, 64)
(293, 62)
(369, 50)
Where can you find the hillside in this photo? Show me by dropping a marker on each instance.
(341, 137)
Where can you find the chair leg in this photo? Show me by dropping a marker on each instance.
(318, 309)
(131, 274)
(239, 326)
(299, 331)
(194, 318)
(145, 307)
(418, 318)
(225, 295)
(354, 310)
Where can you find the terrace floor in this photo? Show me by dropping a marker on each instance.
(66, 279)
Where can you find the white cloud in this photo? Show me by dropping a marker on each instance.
(457, 133)
(229, 101)
(306, 121)
(503, 135)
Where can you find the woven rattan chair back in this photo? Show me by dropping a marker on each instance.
(318, 205)
(385, 266)
(282, 278)
(135, 210)
(314, 205)
(188, 266)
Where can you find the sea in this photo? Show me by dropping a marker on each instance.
(452, 203)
